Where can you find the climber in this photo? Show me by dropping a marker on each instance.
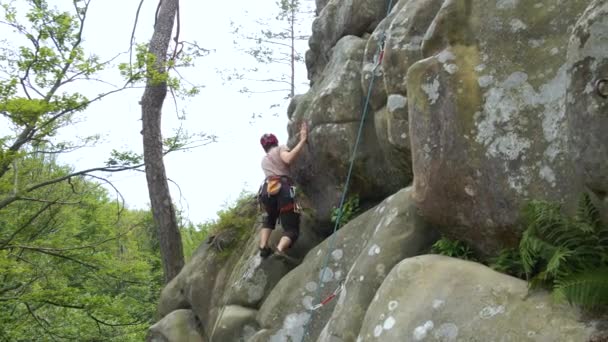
(277, 193)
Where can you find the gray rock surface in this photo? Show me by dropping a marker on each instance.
(178, 326)
(364, 252)
(436, 298)
(488, 116)
(337, 19)
(235, 323)
(485, 105)
(333, 109)
(587, 110)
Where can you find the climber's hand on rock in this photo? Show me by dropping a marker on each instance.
(303, 131)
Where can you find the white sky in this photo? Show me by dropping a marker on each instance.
(209, 176)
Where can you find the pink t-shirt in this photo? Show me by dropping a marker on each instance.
(273, 165)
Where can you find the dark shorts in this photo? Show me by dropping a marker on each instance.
(281, 206)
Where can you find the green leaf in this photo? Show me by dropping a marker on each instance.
(588, 288)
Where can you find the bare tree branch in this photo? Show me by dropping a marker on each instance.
(121, 205)
(113, 324)
(32, 219)
(52, 253)
(28, 199)
(10, 199)
(133, 34)
(178, 27)
(29, 309)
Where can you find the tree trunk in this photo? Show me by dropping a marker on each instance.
(171, 250)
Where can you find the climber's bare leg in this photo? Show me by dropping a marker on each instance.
(284, 244)
(264, 237)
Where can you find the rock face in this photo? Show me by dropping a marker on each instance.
(364, 252)
(587, 100)
(338, 19)
(488, 119)
(388, 290)
(436, 298)
(482, 126)
(179, 325)
(333, 108)
(475, 108)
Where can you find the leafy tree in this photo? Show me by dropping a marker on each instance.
(152, 102)
(275, 47)
(33, 99)
(73, 264)
(154, 64)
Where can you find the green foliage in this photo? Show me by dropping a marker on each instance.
(124, 158)
(33, 99)
(509, 261)
(235, 223)
(73, 264)
(568, 255)
(350, 209)
(192, 237)
(453, 248)
(147, 67)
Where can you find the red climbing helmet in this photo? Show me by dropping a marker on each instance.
(268, 140)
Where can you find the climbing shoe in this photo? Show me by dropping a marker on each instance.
(265, 252)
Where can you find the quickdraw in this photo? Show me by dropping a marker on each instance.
(330, 297)
(380, 56)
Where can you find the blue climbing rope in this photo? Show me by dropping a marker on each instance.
(378, 56)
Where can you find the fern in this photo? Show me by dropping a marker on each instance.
(567, 255)
(453, 248)
(588, 289)
(587, 214)
(508, 261)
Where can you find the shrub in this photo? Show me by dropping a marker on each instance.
(350, 210)
(453, 248)
(233, 225)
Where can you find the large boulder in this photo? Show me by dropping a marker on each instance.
(363, 253)
(333, 108)
(235, 323)
(178, 326)
(437, 298)
(224, 284)
(199, 286)
(402, 32)
(253, 278)
(338, 19)
(488, 116)
(587, 102)
(398, 233)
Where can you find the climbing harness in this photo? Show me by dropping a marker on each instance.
(330, 297)
(378, 57)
